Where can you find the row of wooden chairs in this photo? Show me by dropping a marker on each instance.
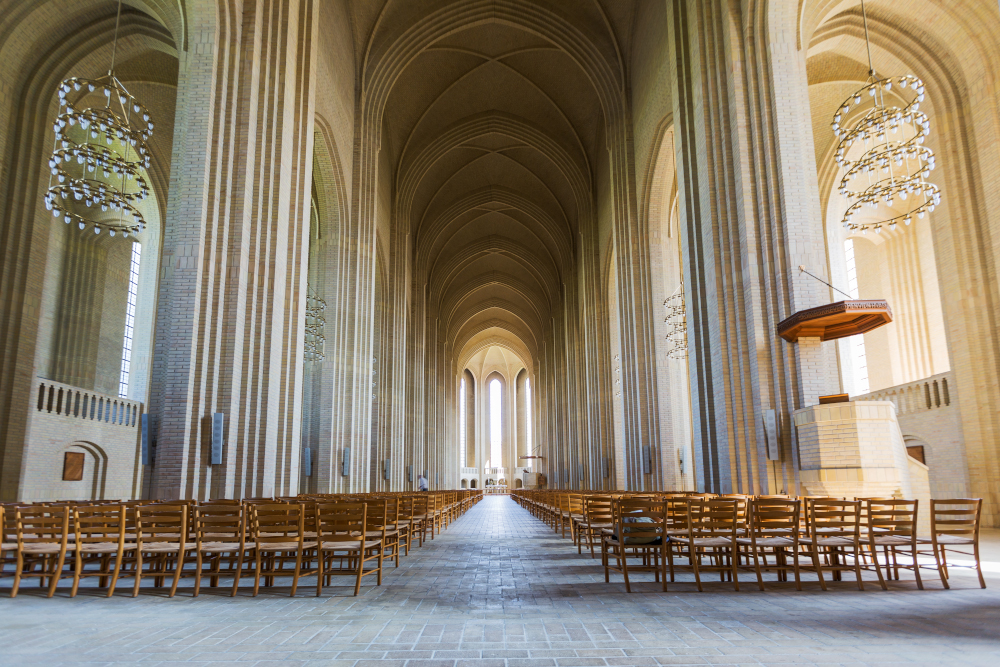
(828, 536)
(309, 535)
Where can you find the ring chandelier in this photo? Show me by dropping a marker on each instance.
(99, 154)
(315, 323)
(882, 151)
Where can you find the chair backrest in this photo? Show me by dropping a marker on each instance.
(220, 523)
(341, 522)
(99, 523)
(377, 514)
(165, 523)
(278, 522)
(639, 521)
(831, 517)
(891, 517)
(713, 517)
(42, 525)
(599, 510)
(956, 516)
(774, 516)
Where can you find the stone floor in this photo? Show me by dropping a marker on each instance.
(499, 589)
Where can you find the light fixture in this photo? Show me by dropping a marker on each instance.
(315, 323)
(882, 151)
(99, 153)
(676, 321)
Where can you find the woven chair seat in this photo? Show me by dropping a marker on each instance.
(101, 547)
(891, 540)
(285, 546)
(947, 539)
(767, 541)
(8, 546)
(705, 541)
(821, 541)
(160, 548)
(349, 546)
(219, 547)
(41, 548)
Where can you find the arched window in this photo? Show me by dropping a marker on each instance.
(859, 361)
(495, 430)
(461, 427)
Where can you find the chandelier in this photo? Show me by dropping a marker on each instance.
(882, 151)
(315, 322)
(99, 154)
(676, 321)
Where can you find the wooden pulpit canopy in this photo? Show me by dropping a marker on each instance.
(836, 320)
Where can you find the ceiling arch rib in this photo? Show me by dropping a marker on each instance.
(493, 307)
(493, 72)
(574, 169)
(488, 338)
(471, 257)
(386, 60)
(473, 286)
(471, 329)
(428, 234)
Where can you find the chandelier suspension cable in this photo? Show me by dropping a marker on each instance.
(114, 45)
(868, 44)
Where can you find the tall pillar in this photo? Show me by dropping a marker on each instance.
(232, 293)
(749, 217)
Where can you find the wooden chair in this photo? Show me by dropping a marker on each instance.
(42, 537)
(834, 537)
(599, 517)
(160, 544)
(712, 528)
(955, 529)
(774, 527)
(100, 540)
(640, 526)
(892, 525)
(279, 533)
(219, 537)
(343, 536)
(380, 526)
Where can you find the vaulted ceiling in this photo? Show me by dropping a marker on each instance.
(492, 128)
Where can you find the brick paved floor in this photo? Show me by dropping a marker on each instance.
(499, 589)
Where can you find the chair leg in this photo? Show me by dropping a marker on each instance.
(138, 573)
(179, 567)
(623, 563)
(979, 566)
(857, 568)
(818, 566)
(361, 571)
(916, 568)
(77, 573)
(756, 566)
(878, 568)
(298, 571)
(116, 573)
(237, 573)
(695, 562)
(256, 580)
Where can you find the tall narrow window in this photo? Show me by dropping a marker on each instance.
(859, 360)
(527, 419)
(461, 424)
(133, 293)
(495, 433)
